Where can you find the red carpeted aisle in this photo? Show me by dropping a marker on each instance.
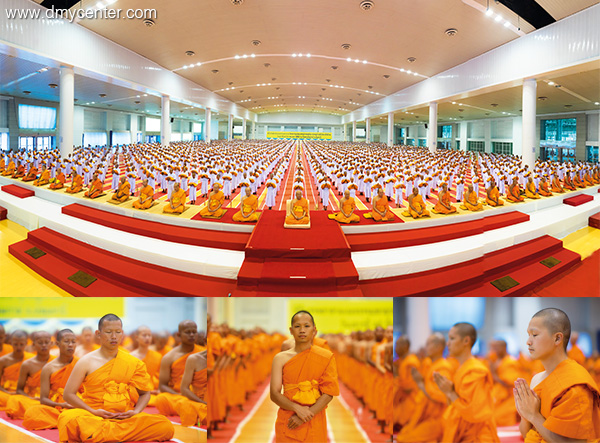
(363, 416)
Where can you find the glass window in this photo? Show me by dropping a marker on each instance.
(37, 117)
(445, 131)
(502, 148)
(95, 139)
(121, 138)
(559, 130)
(197, 128)
(445, 312)
(475, 145)
(152, 124)
(423, 142)
(591, 154)
(361, 132)
(410, 142)
(4, 143)
(402, 132)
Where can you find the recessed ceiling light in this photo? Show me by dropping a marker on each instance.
(489, 12)
(551, 83)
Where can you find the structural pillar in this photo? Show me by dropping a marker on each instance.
(432, 128)
(66, 110)
(418, 325)
(390, 134)
(243, 129)
(230, 127)
(353, 131)
(529, 113)
(165, 121)
(368, 129)
(207, 125)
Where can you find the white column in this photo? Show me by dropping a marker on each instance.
(165, 121)
(464, 135)
(230, 127)
(368, 129)
(417, 309)
(253, 131)
(390, 134)
(432, 128)
(529, 112)
(354, 131)
(66, 109)
(207, 126)
(243, 129)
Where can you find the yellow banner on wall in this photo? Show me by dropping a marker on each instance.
(335, 316)
(12, 307)
(300, 135)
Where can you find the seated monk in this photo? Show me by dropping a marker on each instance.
(2, 164)
(530, 191)
(216, 198)
(347, 208)
(20, 172)
(568, 183)
(587, 179)
(96, 188)
(10, 365)
(443, 205)
(493, 195)
(544, 189)
(556, 186)
(193, 409)
(177, 203)
(44, 178)
(76, 184)
(248, 206)
(31, 173)
(53, 380)
(514, 191)
(381, 208)
(471, 202)
(577, 181)
(299, 213)
(116, 391)
(10, 169)
(416, 205)
(123, 191)
(143, 338)
(146, 196)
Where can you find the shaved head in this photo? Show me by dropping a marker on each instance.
(19, 333)
(187, 324)
(62, 332)
(108, 317)
(438, 339)
(555, 321)
(466, 330)
(303, 312)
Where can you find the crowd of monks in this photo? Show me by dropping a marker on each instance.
(95, 386)
(443, 393)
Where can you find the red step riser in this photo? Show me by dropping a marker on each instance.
(539, 255)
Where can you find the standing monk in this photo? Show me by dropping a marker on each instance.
(116, 391)
(192, 410)
(10, 365)
(308, 376)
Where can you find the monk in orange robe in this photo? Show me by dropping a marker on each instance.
(575, 353)
(116, 391)
(470, 416)
(563, 402)
(556, 185)
(76, 184)
(577, 181)
(177, 203)
(59, 181)
(96, 188)
(87, 343)
(308, 376)
(146, 196)
(44, 178)
(299, 212)
(568, 183)
(10, 169)
(587, 179)
(493, 195)
(53, 380)
(505, 371)
(31, 173)
(530, 191)
(406, 389)
(514, 191)
(123, 191)
(248, 207)
(10, 365)
(416, 205)
(347, 208)
(161, 345)
(28, 386)
(471, 201)
(443, 205)
(544, 188)
(20, 172)
(172, 367)
(143, 339)
(4, 347)
(381, 207)
(216, 199)
(192, 410)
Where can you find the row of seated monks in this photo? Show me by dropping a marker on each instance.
(552, 395)
(97, 390)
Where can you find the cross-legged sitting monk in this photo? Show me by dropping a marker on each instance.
(416, 205)
(505, 371)
(143, 338)
(299, 213)
(248, 207)
(213, 208)
(514, 191)
(493, 195)
(59, 181)
(347, 208)
(28, 386)
(96, 188)
(556, 185)
(471, 202)
(31, 173)
(123, 191)
(76, 183)
(381, 207)
(10, 365)
(563, 401)
(193, 409)
(176, 204)
(568, 183)
(544, 188)
(470, 416)
(87, 344)
(530, 191)
(44, 178)
(443, 205)
(53, 380)
(20, 171)
(116, 391)
(10, 169)
(146, 196)
(308, 376)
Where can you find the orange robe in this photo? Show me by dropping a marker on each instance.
(575, 353)
(31, 174)
(470, 418)
(18, 404)
(250, 204)
(418, 204)
(306, 377)
(46, 417)
(95, 190)
(216, 407)
(43, 180)
(145, 192)
(299, 207)
(441, 209)
(514, 194)
(544, 190)
(193, 413)
(570, 403)
(76, 185)
(177, 198)
(122, 193)
(112, 387)
(425, 422)
(568, 183)
(530, 191)
(588, 180)
(59, 181)
(405, 390)
(2, 165)
(577, 181)
(5, 349)
(10, 170)
(556, 186)
(505, 411)
(382, 205)
(20, 172)
(495, 194)
(471, 203)
(213, 203)
(10, 378)
(348, 206)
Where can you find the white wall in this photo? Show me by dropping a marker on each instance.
(300, 122)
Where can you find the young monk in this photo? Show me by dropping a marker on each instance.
(443, 205)
(530, 191)
(563, 402)
(143, 338)
(176, 204)
(381, 207)
(493, 195)
(405, 387)
(471, 202)
(28, 386)
(248, 207)
(505, 371)
(347, 208)
(96, 188)
(146, 196)
(87, 344)
(53, 380)
(44, 178)
(76, 184)
(416, 205)
(216, 198)
(59, 181)
(192, 409)
(470, 416)
(308, 376)
(514, 191)
(575, 353)
(10, 366)
(299, 212)
(123, 191)
(116, 391)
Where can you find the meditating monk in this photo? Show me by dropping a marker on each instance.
(5, 348)
(10, 169)
(556, 185)
(514, 191)
(53, 380)
(299, 210)
(96, 188)
(28, 386)
(193, 409)
(213, 208)
(87, 343)
(443, 205)
(172, 367)
(470, 416)
(176, 204)
(116, 391)
(544, 188)
(44, 178)
(31, 173)
(248, 207)
(563, 401)
(123, 191)
(416, 205)
(143, 339)
(577, 181)
(146, 196)
(493, 195)
(575, 353)
(308, 376)
(76, 184)
(2, 164)
(530, 191)
(568, 183)
(471, 201)
(405, 387)
(59, 181)
(20, 172)
(587, 179)
(347, 208)
(381, 207)
(10, 365)
(505, 371)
